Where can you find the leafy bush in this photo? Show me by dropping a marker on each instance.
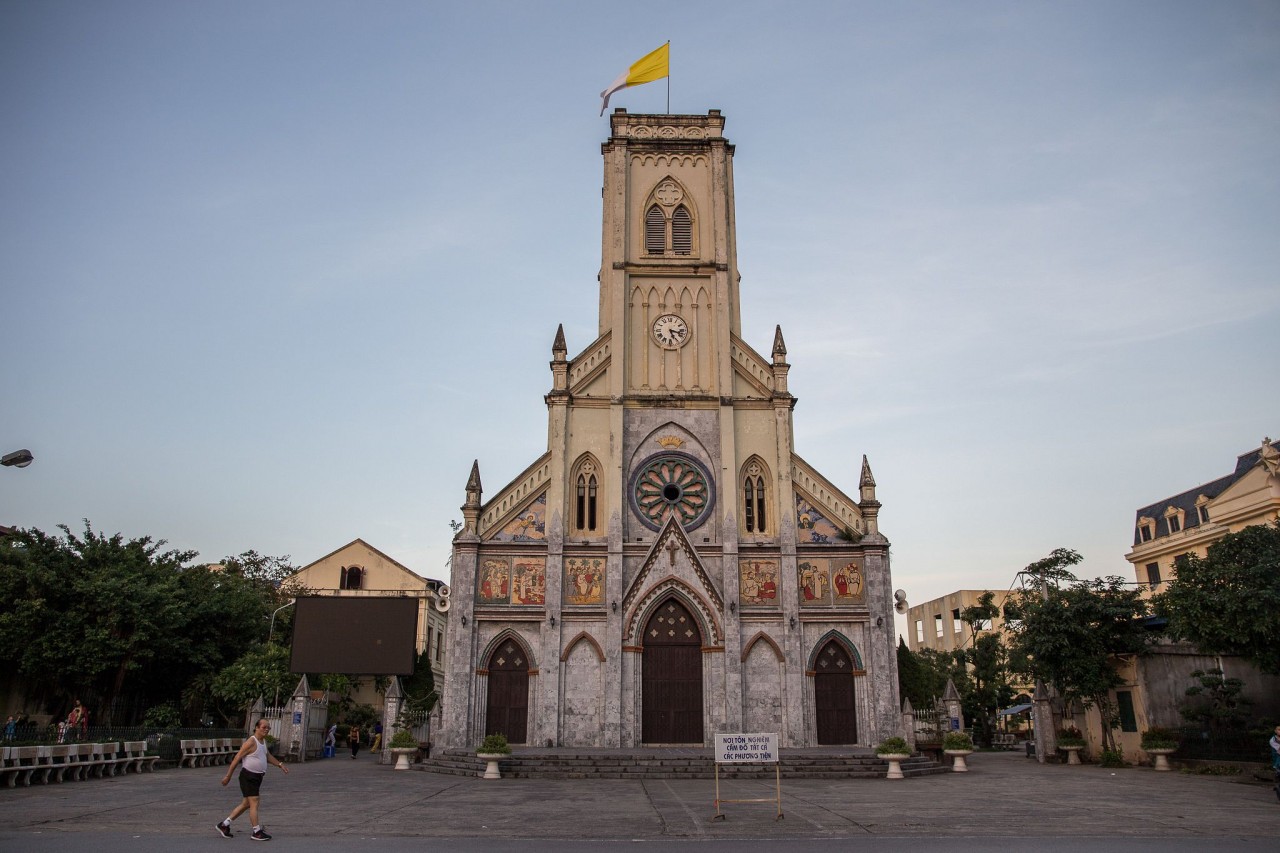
(495, 745)
(404, 740)
(162, 717)
(957, 740)
(1112, 758)
(1070, 737)
(1158, 737)
(893, 746)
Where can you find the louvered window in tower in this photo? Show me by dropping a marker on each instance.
(760, 523)
(749, 493)
(655, 231)
(591, 502)
(580, 516)
(681, 231)
(753, 503)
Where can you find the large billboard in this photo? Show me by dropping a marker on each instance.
(352, 635)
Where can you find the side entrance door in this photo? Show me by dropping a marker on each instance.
(507, 709)
(834, 696)
(672, 677)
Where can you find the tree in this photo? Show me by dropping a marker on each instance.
(261, 673)
(1228, 602)
(1072, 636)
(988, 668)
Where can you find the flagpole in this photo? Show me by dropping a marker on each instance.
(668, 76)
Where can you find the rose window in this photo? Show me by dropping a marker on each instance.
(672, 483)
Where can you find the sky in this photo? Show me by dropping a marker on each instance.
(274, 274)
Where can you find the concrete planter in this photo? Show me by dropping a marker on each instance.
(1073, 753)
(402, 755)
(1161, 757)
(959, 765)
(491, 768)
(895, 765)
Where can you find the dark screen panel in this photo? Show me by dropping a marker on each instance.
(355, 636)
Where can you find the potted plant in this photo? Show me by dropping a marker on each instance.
(1158, 743)
(958, 745)
(492, 750)
(1071, 742)
(403, 744)
(893, 750)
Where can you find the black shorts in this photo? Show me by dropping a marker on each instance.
(250, 782)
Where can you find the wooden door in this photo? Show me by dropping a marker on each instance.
(837, 716)
(507, 710)
(672, 677)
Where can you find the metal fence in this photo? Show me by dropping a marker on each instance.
(1224, 745)
(163, 742)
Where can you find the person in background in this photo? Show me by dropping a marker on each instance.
(353, 740)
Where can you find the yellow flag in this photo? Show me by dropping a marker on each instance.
(652, 66)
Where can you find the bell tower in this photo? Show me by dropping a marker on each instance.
(669, 269)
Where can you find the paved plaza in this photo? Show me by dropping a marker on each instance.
(343, 804)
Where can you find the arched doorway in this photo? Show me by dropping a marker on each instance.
(507, 709)
(833, 695)
(672, 676)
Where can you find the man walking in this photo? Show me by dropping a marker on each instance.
(255, 758)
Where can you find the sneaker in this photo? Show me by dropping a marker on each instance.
(223, 829)
(260, 835)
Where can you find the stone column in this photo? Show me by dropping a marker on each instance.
(909, 723)
(1042, 720)
(393, 699)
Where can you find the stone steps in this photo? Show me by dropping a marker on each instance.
(677, 764)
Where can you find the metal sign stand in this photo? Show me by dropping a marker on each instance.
(749, 749)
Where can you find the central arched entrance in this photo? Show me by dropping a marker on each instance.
(507, 709)
(672, 676)
(833, 695)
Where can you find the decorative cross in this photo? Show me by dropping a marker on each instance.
(671, 552)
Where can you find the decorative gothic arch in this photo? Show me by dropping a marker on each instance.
(755, 491)
(586, 493)
(582, 637)
(762, 637)
(844, 641)
(514, 636)
(670, 219)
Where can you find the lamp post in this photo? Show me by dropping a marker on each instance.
(17, 459)
(272, 627)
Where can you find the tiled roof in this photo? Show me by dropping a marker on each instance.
(1187, 500)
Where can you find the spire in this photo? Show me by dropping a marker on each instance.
(471, 509)
(559, 367)
(867, 479)
(779, 346)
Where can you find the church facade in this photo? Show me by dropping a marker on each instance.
(670, 568)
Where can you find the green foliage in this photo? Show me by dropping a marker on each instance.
(1228, 602)
(1112, 758)
(1216, 702)
(1070, 737)
(420, 694)
(893, 746)
(1072, 635)
(495, 745)
(261, 672)
(403, 740)
(1158, 738)
(957, 740)
(1212, 770)
(363, 716)
(162, 717)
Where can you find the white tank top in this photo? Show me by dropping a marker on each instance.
(256, 761)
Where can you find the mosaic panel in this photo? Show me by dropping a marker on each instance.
(758, 583)
(495, 582)
(584, 580)
(530, 525)
(847, 582)
(815, 582)
(812, 527)
(529, 580)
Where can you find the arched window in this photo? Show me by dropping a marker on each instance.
(754, 497)
(681, 231)
(585, 510)
(350, 577)
(655, 231)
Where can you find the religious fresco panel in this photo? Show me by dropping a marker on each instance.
(584, 580)
(815, 582)
(495, 582)
(812, 527)
(847, 582)
(758, 583)
(529, 580)
(529, 525)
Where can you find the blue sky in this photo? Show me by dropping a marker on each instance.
(1024, 256)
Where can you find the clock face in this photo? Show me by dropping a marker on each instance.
(671, 331)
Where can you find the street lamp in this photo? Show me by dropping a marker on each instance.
(17, 459)
(272, 627)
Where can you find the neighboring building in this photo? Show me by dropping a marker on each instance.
(1155, 684)
(670, 568)
(359, 569)
(1188, 523)
(937, 624)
